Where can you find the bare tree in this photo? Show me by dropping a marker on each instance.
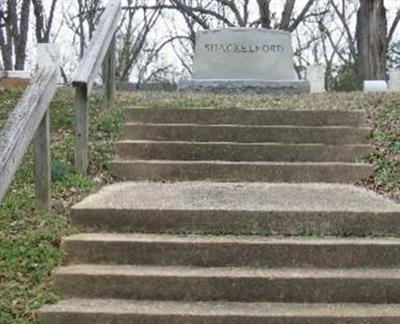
(207, 14)
(44, 21)
(372, 40)
(82, 20)
(133, 38)
(374, 35)
(14, 34)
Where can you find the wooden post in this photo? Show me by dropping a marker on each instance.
(109, 75)
(48, 56)
(41, 144)
(102, 42)
(81, 129)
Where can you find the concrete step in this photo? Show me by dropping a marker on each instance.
(230, 251)
(246, 134)
(94, 311)
(238, 208)
(192, 151)
(209, 116)
(287, 285)
(225, 171)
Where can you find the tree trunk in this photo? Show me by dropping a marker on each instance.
(265, 13)
(371, 40)
(22, 39)
(14, 33)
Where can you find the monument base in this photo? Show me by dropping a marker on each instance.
(257, 86)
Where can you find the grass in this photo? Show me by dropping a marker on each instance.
(385, 119)
(30, 240)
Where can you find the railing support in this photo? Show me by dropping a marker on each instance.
(29, 123)
(82, 129)
(100, 52)
(41, 145)
(109, 75)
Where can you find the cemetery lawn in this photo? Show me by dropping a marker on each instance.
(30, 240)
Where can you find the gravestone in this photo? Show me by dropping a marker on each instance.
(240, 59)
(375, 86)
(394, 83)
(316, 77)
(48, 55)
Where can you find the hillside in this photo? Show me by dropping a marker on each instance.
(29, 247)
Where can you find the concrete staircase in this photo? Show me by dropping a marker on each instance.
(250, 222)
(234, 145)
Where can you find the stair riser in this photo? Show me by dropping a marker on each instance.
(243, 289)
(240, 134)
(248, 117)
(234, 255)
(291, 173)
(239, 222)
(232, 152)
(81, 318)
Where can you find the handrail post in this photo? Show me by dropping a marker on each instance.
(101, 44)
(109, 75)
(48, 56)
(82, 129)
(41, 144)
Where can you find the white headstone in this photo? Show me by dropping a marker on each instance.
(48, 55)
(244, 54)
(26, 75)
(316, 77)
(244, 59)
(375, 86)
(394, 83)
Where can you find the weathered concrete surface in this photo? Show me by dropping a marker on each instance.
(235, 116)
(230, 284)
(237, 196)
(235, 86)
(244, 208)
(223, 151)
(247, 134)
(230, 251)
(225, 171)
(94, 311)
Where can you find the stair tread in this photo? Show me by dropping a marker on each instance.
(128, 141)
(248, 116)
(261, 163)
(123, 306)
(228, 239)
(169, 124)
(225, 272)
(230, 109)
(263, 197)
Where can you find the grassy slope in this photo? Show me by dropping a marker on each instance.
(29, 241)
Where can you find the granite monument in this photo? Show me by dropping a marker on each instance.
(240, 59)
